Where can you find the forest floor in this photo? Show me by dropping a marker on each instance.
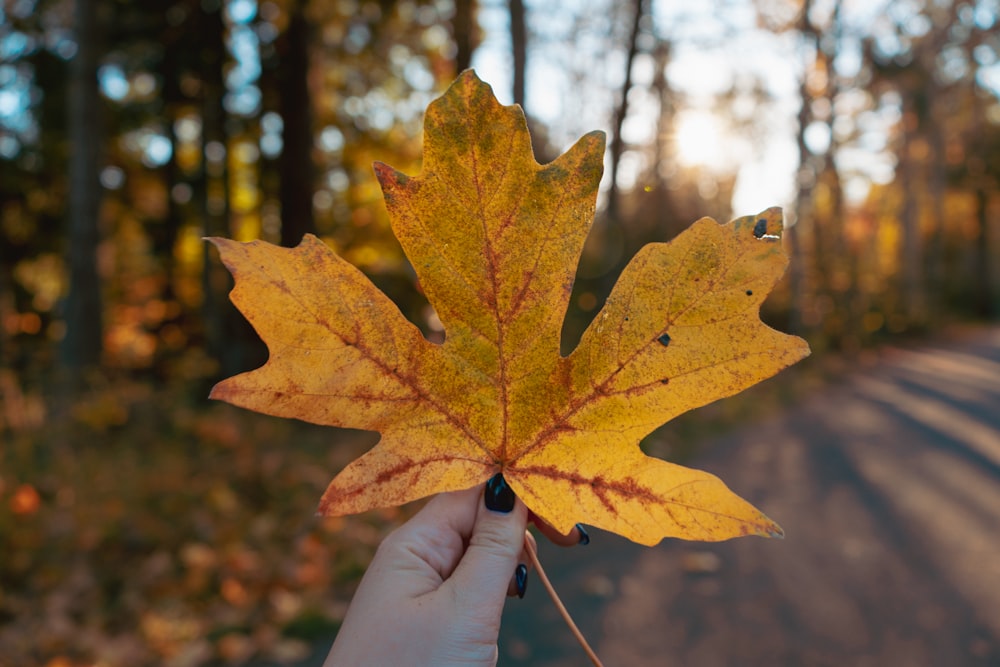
(146, 528)
(887, 485)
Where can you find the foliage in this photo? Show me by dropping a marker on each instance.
(146, 529)
(194, 127)
(494, 238)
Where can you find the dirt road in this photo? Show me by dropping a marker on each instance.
(888, 488)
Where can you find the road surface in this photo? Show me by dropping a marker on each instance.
(888, 487)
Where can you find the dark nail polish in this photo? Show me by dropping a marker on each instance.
(584, 535)
(521, 579)
(498, 497)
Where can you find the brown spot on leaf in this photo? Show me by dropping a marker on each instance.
(760, 228)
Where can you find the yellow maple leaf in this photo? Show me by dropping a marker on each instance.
(494, 238)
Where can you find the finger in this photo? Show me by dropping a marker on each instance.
(455, 509)
(529, 541)
(519, 582)
(436, 535)
(577, 535)
(494, 552)
(517, 585)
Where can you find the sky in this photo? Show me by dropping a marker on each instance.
(703, 64)
(714, 46)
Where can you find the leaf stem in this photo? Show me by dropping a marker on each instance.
(529, 546)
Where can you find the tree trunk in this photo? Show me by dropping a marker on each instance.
(798, 234)
(519, 48)
(912, 256)
(617, 146)
(983, 276)
(667, 225)
(213, 190)
(937, 188)
(82, 346)
(463, 32)
(840, 267)
(164, 235)
(296, 165)
(230, 337)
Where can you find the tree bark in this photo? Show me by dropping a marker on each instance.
(230, 338)
(912, 252)
(82, 346)
(519, 48)
(667, 223)
(797, 234)
(213, 188)
(936, 274)
(983, 277)
(617, 146)
(164, 235)
(839, 266)
(295, 164)
(463, 32)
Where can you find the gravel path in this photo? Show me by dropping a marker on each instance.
(888, 488)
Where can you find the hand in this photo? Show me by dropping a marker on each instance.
(435, 590)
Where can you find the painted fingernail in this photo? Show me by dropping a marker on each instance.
(521, 579)
(584, 535)
(498, 497)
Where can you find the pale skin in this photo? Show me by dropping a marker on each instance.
(434, 592)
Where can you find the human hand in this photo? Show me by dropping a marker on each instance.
(434, 592)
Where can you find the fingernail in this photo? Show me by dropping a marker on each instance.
(498, 497)
(521, 579)
(584, 535)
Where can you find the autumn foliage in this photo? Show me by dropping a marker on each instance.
(495, 238)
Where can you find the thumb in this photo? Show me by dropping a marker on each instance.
(481, 578)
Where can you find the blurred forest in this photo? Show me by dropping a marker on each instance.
(140, 525)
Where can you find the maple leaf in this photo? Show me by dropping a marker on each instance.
(494, 238)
